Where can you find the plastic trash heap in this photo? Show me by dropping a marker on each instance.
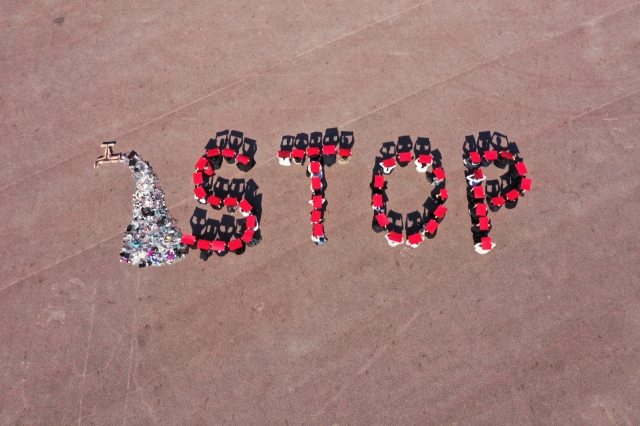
(152, 238)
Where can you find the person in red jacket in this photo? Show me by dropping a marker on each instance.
(485, 245)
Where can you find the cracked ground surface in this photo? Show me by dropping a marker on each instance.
(542, 331)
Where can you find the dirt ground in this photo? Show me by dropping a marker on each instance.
(544, 330)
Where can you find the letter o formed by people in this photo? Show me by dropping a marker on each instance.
(235, 195)
(418, 225)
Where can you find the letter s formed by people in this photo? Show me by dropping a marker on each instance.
(236, 195)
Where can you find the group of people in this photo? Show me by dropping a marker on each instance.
(320, 152)
(424, 163)
(203, 192)
(232, 148)
(478, 209)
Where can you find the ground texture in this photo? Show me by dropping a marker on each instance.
(545, 330)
